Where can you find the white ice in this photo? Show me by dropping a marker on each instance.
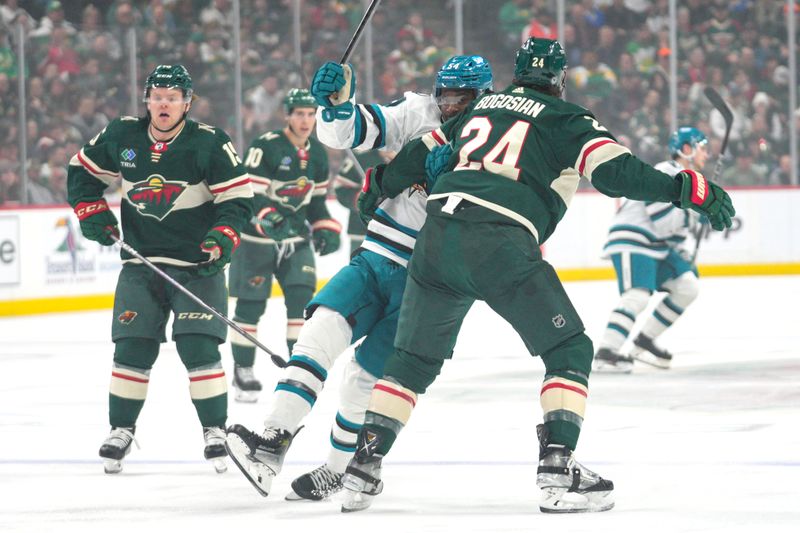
(710, 445)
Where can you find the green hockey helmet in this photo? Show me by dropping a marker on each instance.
(298, 98)
(170, 77)
(541, 63)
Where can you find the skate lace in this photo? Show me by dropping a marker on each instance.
(324, 479)
(213, 435)
(245, 373)
(123, 437)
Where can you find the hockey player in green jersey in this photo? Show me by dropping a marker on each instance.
(185, 198)
(289, 172)
(516, 159)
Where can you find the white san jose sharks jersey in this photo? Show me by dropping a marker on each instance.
(650, 228)
(393, 230)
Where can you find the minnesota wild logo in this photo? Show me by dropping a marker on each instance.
(293, 194)
(155, 197)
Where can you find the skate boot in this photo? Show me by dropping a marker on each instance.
(568, 486)
(116, 447)
(608, 361)
(362, 478)
(259, 457)
(647, 352)
(245, 384)
(316, 485)
(215, 447)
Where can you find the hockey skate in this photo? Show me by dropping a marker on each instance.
(362, 478)
(608, 361)
(568, 486)
(259, 457)
(316, 485)
(215, 448)
(245, 384)
(116, 447)
(646, 351)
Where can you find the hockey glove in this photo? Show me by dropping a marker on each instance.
(219, 244)
(332, 87)
(271, 224)
(97, 221)
(371, 194)
(708, 199)
(325, 234)
(436, 164)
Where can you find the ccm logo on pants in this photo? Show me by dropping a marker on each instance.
(195, 316)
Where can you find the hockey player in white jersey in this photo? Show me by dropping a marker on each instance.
(363, 299)
(647, 244)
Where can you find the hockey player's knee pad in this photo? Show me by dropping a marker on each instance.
(197, 350)
(296, 298)
(136, 352)
(249, 311)
(324, 336)
(684, 289)
(634, 300)
(571, 356)
(412, 371)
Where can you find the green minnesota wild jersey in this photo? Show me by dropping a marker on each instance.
(520, 153)
(348, 185)
(290, 179)
(172, 192)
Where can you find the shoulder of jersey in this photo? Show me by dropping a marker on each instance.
(268, 137)
(126, 125)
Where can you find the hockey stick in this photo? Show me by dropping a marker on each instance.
(276, 359)
(347, 53)
(727, 115)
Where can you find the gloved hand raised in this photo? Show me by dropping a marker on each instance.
(270, 223)
(436, 163)
(371, 193)
(219, 243)
(325, 234)
(332, 87)
(705, 197)
(97, 221)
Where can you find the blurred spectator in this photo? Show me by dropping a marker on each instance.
(266, 99)
(592, 80)
(782, 174)
(54, 18)
(217, 15)
(744, 171)
(61, 55)
(88, 120)
(514, 15)
(10, 184)
(9, 12)
(543, 25)
(38, 187)
(620, 18)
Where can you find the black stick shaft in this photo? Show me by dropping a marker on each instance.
(359, 30)
(279, 361)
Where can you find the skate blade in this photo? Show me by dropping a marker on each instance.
(219, 465)
(559, 500)
(605, 368)
(112, 466)
(258, 474)
(246, 396)
(652, 360)
(355, 501)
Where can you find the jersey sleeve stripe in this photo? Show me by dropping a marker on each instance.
(94, 169)
(321, 188)
(360, 124)
(597, 152)
(434, 138)
(238, 181)
(380, 122)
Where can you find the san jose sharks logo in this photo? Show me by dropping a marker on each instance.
(293, 194)
(155, 197)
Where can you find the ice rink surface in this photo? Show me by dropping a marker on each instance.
(711, 445)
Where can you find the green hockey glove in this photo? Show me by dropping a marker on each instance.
(705, 197)
(219, 244)
(97, 221)
(325, 234)
(271, 224)
(371, 194)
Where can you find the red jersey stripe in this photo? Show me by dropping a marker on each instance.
(129, 378)
(397, 393)
(591, 149)
(209, 376)
(563, 386)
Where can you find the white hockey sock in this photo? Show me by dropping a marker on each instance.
(620, 323)
(354, 394)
